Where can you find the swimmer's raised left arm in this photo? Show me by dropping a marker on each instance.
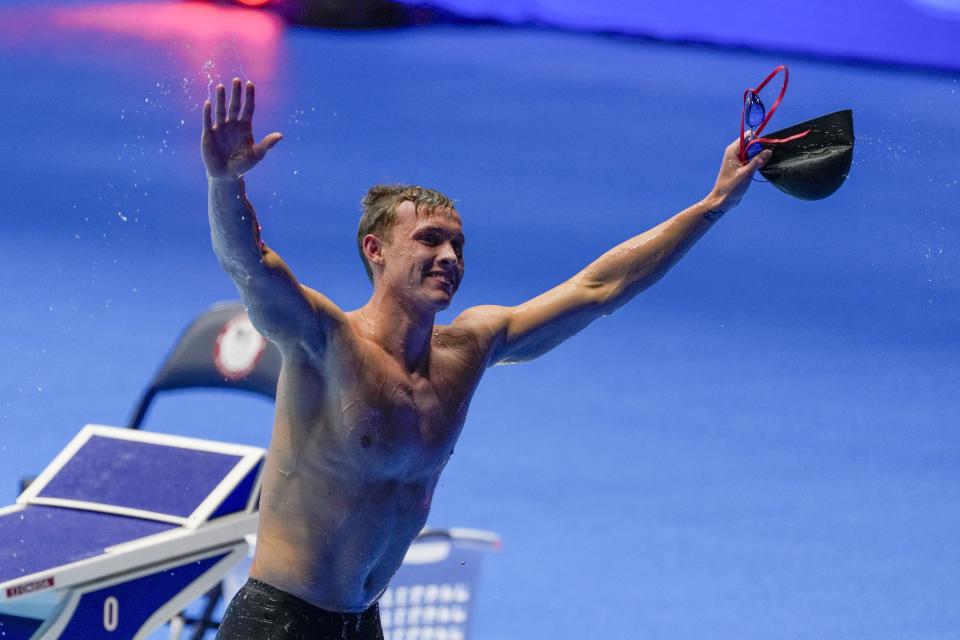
(531, 329)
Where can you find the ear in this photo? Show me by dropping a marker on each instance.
(373, 249)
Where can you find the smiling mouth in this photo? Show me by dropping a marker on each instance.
(442, 278)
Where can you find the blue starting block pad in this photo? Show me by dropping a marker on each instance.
(122, 531)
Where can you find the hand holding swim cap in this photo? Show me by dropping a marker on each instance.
(811, 159)
(227, 146)
(734, 177)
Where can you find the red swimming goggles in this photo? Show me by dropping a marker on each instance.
(755, 117)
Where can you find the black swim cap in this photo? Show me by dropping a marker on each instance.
(815, 165)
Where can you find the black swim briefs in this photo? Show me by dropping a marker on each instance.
(262, 612)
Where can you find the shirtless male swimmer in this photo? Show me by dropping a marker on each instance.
(370, 402)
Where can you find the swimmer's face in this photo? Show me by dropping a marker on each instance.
(423, 255)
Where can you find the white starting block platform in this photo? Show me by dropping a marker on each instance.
(122, 531)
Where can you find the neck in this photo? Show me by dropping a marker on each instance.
(402, 331)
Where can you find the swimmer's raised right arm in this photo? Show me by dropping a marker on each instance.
(292, 316)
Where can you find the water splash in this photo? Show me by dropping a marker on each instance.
(208, 68)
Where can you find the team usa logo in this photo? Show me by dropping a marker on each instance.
(238, 348)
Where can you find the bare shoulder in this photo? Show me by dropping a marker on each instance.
(325, 308)
(322, 327)
(478, 329)
(486, 320)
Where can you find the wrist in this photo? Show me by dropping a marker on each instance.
(224, 179)
(715, 206)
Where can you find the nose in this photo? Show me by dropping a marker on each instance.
(448, 257)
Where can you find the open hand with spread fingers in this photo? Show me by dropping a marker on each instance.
(227, 145)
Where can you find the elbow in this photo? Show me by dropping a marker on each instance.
(230, 263)
(610, 293)
(600, 294)
(238, 264)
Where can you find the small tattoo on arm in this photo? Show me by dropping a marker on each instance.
(714, 215)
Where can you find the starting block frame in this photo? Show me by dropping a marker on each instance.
(104, 533)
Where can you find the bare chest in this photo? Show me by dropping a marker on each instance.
(399, 423)
(363, 411)
(395, 415)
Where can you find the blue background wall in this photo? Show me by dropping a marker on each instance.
(911, 32)
(763, 445)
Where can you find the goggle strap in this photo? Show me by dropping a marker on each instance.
(780, 140)
(776, 103)
(769, 112)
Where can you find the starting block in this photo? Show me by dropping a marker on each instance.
(122, 531)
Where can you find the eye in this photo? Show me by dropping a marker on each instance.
(429, 239)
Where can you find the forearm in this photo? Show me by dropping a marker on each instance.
(234, 230)
(629, 268)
